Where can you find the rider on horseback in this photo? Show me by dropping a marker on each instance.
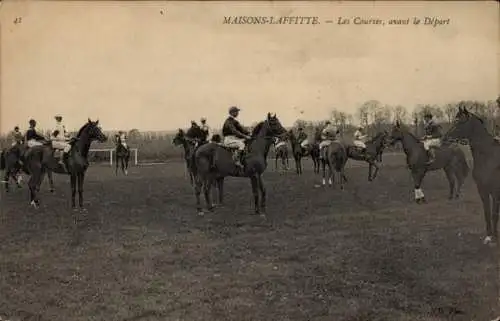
(359, 138)
(122, 138)
(16, 136)
(32, 137)
(432, 136)
(60, 138)
(235, 135)
(302, 138)
(194, 134)
(205, 129)
(328, 135)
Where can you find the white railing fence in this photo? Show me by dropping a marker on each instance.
(111, 152)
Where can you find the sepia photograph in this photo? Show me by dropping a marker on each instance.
(249, 160)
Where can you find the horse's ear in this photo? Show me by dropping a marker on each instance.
(274, 116)
(97, 122)
(89, 121)
(268, 115)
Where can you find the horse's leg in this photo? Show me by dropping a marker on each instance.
(331, 175)
(287, 161)
(283, 161)
(297, 163)
(220, 188)
(369, 171)
(262, 192)
(323, 167)
(127, 160)
(51, 181)
(494, 214)
(255, 192)
(117, 164)
(207, 187)
(198, 184)
(418, 176)
(73, 190)
(81, 179)
(484, 193)
(451, 181)
(374, 164)
(34, 185)
(6, 178)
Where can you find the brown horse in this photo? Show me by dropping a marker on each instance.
(39, 159)
(486, 172)
(372, 154)
(299, 152)
(213, 162)
(449, 157)
(180, 139)
(122, 156)
(334, 156)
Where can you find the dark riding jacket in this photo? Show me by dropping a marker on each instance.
(194, 132)
(433, 130)
(232, 127)
(32, 134)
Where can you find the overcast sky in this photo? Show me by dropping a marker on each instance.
(132, 67)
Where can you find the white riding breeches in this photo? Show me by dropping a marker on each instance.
(33, 143)
(280, 144)
(304, 143)
(325, 143)
(436, 142)
(62, 145)
(234, 142)
(359, 143)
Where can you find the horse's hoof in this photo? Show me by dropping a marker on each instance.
(200, 213)
(34, 204)
(52, 190)
(74, 208)
(211, 208)
(83, 209)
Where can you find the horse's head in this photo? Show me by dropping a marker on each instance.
(274, 126)
(465, 125)
(94, 131)
(397, 133)
(179, 137)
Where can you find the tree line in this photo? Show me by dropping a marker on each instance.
(375, 116)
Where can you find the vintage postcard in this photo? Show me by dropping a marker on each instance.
(249, 160)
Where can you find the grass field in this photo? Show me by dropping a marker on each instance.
(141, 253)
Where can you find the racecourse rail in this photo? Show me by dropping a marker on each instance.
(112, 150)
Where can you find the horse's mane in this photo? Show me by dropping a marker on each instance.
(82, 129)
(257, 128)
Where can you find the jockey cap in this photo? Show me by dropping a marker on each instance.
(16, 128)
(32, 122)
(58, 117)
(300, 128)
(234, 109)
(203, 119)
(428, 115)
(327, 122)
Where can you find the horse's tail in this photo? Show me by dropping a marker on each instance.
(2, 160)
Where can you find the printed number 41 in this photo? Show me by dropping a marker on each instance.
(18, 20)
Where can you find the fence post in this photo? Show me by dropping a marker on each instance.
(110, 157)
(135, 158)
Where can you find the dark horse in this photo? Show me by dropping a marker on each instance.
(334, 156)
(372, 154)
(10, 163)
(122, 156)
(299, 153)
(36, 163)
(189, 145)
(449, 157)
(281, 152)
(486, 172)
(213, 162)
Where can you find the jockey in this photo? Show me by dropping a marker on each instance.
(16, 136)
(302, 138)
(328, 134)
(205, 129)
(60, 137)
(194, 133)
(432, 136)
(359, 138)
(123, 138)
(235, 134)
(32, 137)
